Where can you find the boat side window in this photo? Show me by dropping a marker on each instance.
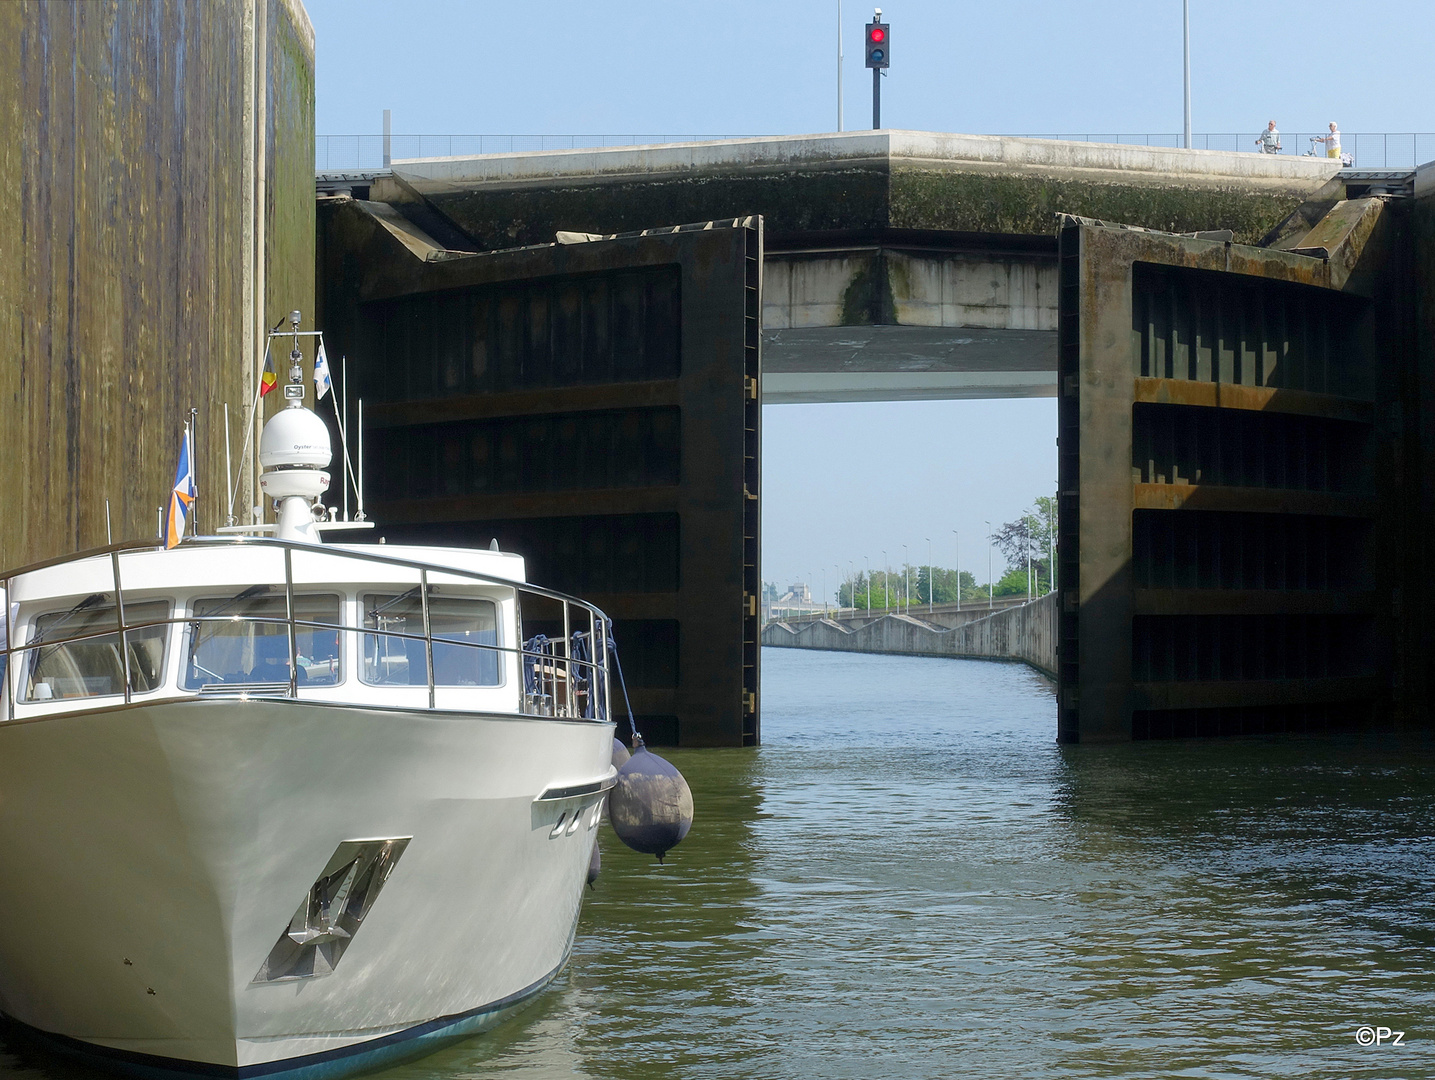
(467, 622)
(68, 664)
(243, 640)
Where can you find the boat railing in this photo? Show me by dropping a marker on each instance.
(562, 677)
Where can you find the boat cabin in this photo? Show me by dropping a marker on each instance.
(402, 627)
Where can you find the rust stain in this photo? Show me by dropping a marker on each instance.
(1258, 398)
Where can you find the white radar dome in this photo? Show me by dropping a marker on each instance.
(295, 437)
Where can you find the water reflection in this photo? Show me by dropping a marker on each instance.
(911, 879)
(1253, 901)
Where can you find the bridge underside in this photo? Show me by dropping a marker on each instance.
(905, 363)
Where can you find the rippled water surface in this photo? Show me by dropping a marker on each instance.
(910, 879)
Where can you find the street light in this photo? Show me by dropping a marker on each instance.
(868, 563)
(1186, 54)
(957, 555)
(991, 587)
(824, 592)
(1051, 539)
(906, 580)
(929, 576)
(886, 579)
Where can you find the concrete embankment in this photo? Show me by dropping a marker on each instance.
(1026, 633)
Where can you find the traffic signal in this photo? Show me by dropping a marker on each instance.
(879, 45)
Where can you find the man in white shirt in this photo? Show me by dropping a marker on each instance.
(1269, 140)
(1332, 141)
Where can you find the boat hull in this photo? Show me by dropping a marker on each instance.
(155, 855)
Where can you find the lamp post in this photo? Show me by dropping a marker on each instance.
(868, 563)
(957, 556)
(991, 587)
(886, 577)
(824, 592)
(906, 580)
(1186, 51)
(1051, 539)
(929, 576)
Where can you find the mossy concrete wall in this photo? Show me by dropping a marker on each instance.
(857, 182)
(123, 195)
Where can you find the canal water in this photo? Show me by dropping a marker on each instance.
(910, 879)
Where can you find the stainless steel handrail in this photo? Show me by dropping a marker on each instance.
(552, 664)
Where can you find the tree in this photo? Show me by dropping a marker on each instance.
(1031, 535)
(942, 587)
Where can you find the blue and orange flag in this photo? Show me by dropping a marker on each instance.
(181, 497)
(270, 378)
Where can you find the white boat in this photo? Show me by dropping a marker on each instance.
(271, 808)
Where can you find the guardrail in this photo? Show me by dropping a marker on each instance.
(918, 610)
(339, 153)
(565, 677)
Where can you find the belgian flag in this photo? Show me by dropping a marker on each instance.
(269, 379)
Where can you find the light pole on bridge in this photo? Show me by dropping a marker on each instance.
(991, 586)
(957, 555)
(929, 576)
(1186, 51)
(906, 580)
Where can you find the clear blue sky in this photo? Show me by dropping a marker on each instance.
(841, 481)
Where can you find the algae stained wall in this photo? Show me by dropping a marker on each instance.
(134, 188)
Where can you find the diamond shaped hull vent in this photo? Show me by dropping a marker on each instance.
(332, 913)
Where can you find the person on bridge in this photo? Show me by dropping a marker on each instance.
(1332, 141)
(1269, 140)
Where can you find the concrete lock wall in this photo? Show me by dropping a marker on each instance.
(1026, 633)
(155, 178)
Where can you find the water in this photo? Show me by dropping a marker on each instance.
(910, 879)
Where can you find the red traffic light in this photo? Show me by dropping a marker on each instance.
(876, 33)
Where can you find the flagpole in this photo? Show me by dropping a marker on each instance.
(193, 470)
(342, 421)
(343, 429)
(249, 432)
(228, 468)
(359, 494)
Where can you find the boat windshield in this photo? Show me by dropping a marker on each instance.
(244, 650)
(399, 661)
(62, 667)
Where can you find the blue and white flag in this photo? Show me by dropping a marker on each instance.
(182, 496)
(322, 383)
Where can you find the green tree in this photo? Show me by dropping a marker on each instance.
(1030, 536)
(941, 585)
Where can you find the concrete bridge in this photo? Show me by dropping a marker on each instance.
(898, 265)
(1025, 632)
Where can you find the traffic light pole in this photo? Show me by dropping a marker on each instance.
(879, 56)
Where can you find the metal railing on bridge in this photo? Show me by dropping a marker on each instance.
(916, 610)
(339, 153)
